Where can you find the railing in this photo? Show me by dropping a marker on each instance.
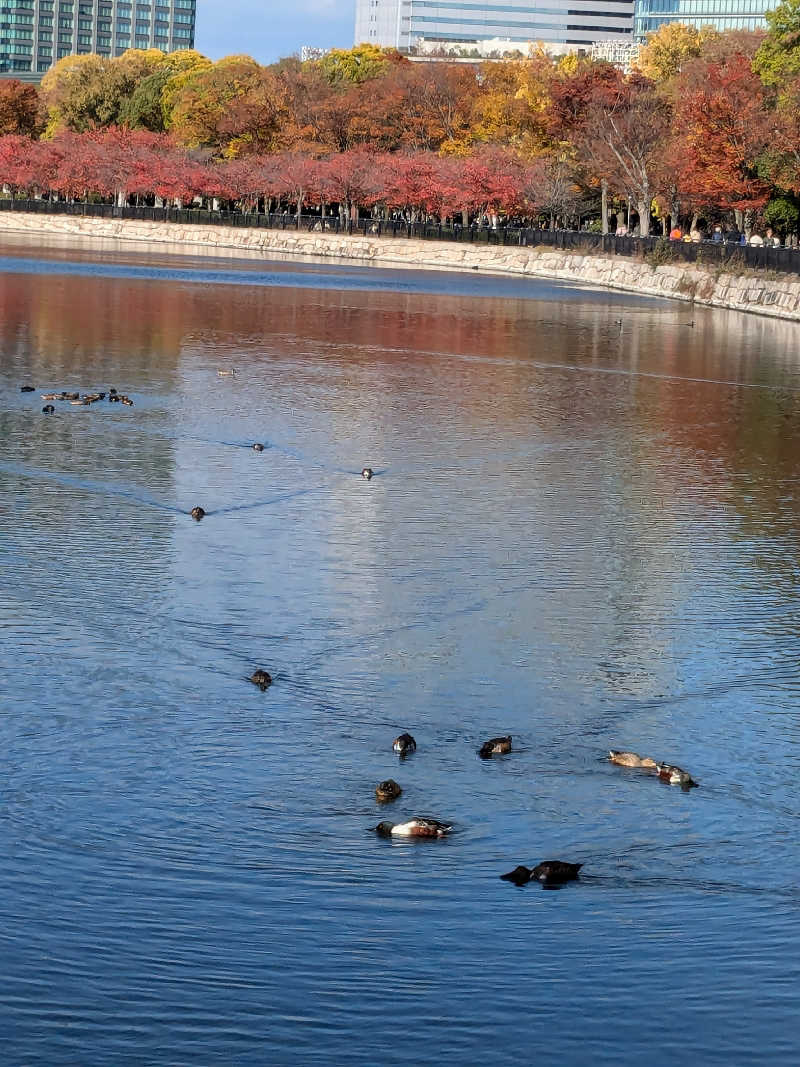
(658, 249)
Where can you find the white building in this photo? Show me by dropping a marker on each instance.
(574, 23)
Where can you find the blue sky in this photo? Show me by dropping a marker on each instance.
(273, 29)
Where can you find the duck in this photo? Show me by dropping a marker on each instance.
(48, 409)
(416, 827)
(631, 759)
(548, 872)
(27, 388)
(388, 790)
(496, 745)
(112, 392)
(667, 772)
(127, 401)
(71, 396)
(367, 473)
(261, 678)
(52, 396)
(258, 447)
(197, 514)
(404, 744)
(227, 373)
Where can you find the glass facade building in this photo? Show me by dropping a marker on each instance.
(35, 34)
(721, 14)
(402, 23)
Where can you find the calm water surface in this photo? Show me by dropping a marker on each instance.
(583, 531)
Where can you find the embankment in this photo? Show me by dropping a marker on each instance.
(775, 295)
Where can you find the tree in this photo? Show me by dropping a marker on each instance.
(359, 64)
(19, 108)
(550, 184)
(778, 58)
(623, 140)
(670, 47)
(722, 129)
(351, 180)
(232, 107)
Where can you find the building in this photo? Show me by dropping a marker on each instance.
(622, 54)
(309, 51)
(34, 34)
(577, 23)
(721, 14)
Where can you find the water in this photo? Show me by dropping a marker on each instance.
(583, 531)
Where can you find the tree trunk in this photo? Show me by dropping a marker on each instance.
(643, 207)
(300, 198)
(604, 206)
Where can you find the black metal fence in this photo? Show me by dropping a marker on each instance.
(656, 249)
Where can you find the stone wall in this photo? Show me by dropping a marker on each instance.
(778, 296)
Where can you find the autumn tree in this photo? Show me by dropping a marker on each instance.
(354, 66)
(670, 47)
(232, 107)
(351, 180)
(623, 139)
(19, 108)
(723, 128)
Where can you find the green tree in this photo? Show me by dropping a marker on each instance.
(778, 59)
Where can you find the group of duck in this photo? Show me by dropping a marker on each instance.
(78, 399)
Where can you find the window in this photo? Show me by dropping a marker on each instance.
(124, 24)
(181, 16)
(84, 24)
(43, 66)
(65, 24)
(84, 38)
(104, 42)
(178, 32)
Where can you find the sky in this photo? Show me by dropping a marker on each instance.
(268, 31)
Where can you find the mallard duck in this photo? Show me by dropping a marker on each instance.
(367, 473)
(548, 872)
(258, 447)
(496, 745)
(197, 514)
(667, 772)
(72, 396)
(48, 409)
(261, 678)
(27, 388)
(388, 790)
(126, 400)
(51, 396)
(631, 759)
(417, 827)
(404, 744)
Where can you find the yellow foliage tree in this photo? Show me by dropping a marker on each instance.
(669, 48)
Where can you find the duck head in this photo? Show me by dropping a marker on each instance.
(197, 514)
(384, 829)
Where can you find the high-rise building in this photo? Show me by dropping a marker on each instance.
(401, 23)
(34, 34)
(721, 14)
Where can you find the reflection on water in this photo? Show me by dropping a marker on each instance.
(583, 531)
